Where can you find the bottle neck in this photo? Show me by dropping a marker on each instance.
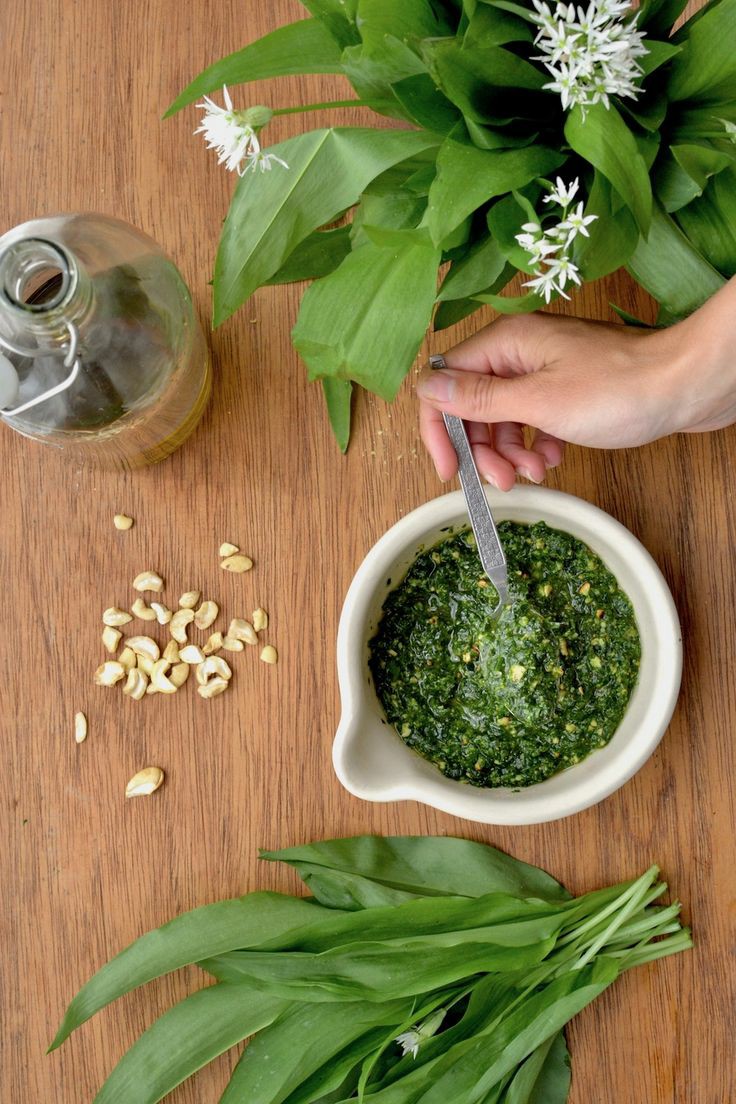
(43, 289)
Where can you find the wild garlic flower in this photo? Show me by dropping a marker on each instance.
(590, 52)
(410, 1041)
(549, 248)
(234, 135)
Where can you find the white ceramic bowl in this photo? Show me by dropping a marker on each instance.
(372, 761)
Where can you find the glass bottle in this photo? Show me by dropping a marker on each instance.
(97, 320)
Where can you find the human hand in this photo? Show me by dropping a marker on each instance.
(589, 383)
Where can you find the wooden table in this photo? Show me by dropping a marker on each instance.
(83, 871)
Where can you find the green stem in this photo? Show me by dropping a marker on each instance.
(318, 106)
(650, 952)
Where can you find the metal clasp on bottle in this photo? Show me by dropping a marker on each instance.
(71, 361)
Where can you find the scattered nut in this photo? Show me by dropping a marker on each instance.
(143, 611)
(127, 658)
(242, 630)
(260, 619)
(144, 646)
(111, 638)
(214, 687)
(231, 645)
(213, 665)
(179, 674)
(228, 549)
(189, 599)
(159, 681)
(148, 580)
(516, 672)
(114, 616)
(171, 652)
(206, 614)
(162, 613)
(146, 781)
(80, 727)
(191, 654)
(584, 588)
(178, 624)
(109, 673)
(269, 654)
(136, 684)
(145, 664)
(122, 521)
(237, 564)
(213, 644)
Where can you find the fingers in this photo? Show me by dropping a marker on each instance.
(509, 443)
(438, 444)
(492, 466)
(476, 397)
(508, 346)
(550, 448)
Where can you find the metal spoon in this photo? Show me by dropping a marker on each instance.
(490, 550)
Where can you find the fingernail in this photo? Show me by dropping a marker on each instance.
(491, 480)
(440, 476)
(528, 475)
(436, 386)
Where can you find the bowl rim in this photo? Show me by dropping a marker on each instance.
(530, 805)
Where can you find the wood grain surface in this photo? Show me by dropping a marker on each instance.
(84, 84)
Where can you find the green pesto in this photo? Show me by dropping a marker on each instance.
(507, 701)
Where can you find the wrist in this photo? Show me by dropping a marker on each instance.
(695, 362)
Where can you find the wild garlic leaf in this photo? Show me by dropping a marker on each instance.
(366, 320)
(495, 1052)
(602, 137)
(544, 1078)
(339, 17)
(185, 1038)
(339, 1077)
(482, 264)
(369, 971)
(706, 68)
(272, 1066)
(710, 221)
(212, 929)
(658, 16)
(499, 918)
(318, 255)
(468, 177)
(272, 213)
(374, 67)
(338, 396)
(302, 47)
(424, 866)
(671, 269)
(612, 237)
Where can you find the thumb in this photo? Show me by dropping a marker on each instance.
(479, 397)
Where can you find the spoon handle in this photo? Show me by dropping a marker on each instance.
(490, 550)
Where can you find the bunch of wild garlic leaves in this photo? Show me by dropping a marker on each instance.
(501, 103)
(422, 970)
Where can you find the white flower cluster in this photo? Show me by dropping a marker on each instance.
(549, 248)
(410, 1041)
(590, 52)
(234, 136)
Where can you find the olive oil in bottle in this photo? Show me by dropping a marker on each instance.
(101, 353)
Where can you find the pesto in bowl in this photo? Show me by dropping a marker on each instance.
(506, 702)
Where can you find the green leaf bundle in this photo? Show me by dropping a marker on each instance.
(421, 970)
(487, 132)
